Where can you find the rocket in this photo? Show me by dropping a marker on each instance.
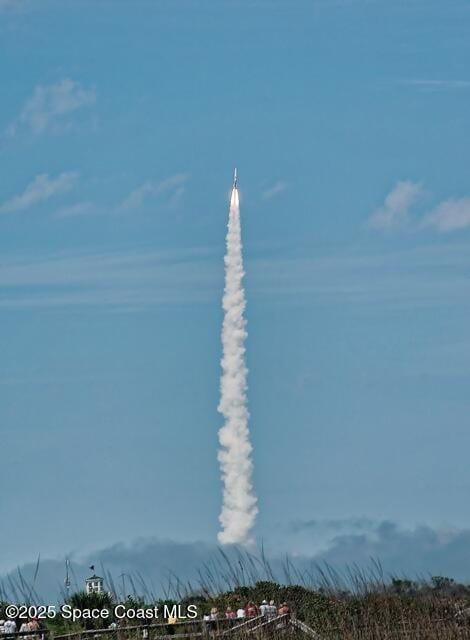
(234, 185)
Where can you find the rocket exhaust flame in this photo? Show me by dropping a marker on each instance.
(239, 508)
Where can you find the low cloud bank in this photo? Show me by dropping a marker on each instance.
(155, 567)
(422, 551)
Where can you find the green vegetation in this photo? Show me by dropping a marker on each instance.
(356, 605)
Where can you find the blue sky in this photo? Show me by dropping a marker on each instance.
(120, 125)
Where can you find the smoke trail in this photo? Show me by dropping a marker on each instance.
(239, 502)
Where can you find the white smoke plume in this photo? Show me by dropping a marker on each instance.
(239, 502)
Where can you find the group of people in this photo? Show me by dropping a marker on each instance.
(28, 627)
(250, 610)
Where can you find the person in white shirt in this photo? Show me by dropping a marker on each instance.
(25, 627)
(9, 626)
(241, 612)
(264, 608)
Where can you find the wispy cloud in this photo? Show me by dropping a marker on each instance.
(42, 188)
(419, 278)
(124, 280)
(172, 187)
(167, 192)
(77, 209)
(451, 215)
(47, 109)
(274, 190)
(395, 211)
(426, 277)
(332, 525)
